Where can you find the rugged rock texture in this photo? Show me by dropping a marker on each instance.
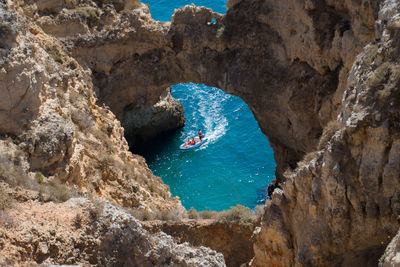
(233, 240)
(294, 62)
(89, 234)
(93, 34)
(144, 123)
(48, 111)
(341, 205)
(248, 52)
(391, 257)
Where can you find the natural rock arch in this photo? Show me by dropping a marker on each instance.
(239, 54)
(291, 61)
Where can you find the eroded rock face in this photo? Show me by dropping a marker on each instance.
(48, 110)
(233, 240)
(294, 62)
(341, 205)
(249, 52)
(22, 75)
(144, 123)
(90, 234)
(391, 256)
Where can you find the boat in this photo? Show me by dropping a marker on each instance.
(185, 146)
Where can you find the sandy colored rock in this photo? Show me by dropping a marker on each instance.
(233, 240)
(391, 256)
(321, 78)
(48, 107)
(85, 233)
(248, 52)
(340, 205)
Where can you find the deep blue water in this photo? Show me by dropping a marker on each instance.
(235, 166)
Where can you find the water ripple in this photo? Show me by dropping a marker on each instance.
(232, 168)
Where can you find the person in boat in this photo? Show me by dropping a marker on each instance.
(193, 141)
(201, 135)
(187, 143)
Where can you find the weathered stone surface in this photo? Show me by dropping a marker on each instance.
(9, 28)
(248, 52)
(294, 62)
(50, 5)
(144, 123)
(21, 75)
(391, 257)
(90, 234)
(233, 240)
(341, 206)
(48, 108)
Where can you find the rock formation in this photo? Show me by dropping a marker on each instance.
(90, 234)
(321, 78)
(248, 52)
(146, 122)
(341, 206)
(391, 256)
(51, 124)
(232, 239)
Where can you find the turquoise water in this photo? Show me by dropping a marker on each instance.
(235, 166)
(163, 9)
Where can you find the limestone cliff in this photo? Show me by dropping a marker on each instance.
(295, 64)
(341, 205)
(51, 124)
(144, 123)
(56, 142)
(321, 78)
(248, 52)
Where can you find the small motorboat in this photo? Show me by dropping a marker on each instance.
(185, 146)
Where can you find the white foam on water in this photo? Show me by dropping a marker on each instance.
(238, 109)
(210, 107)
(207, 113)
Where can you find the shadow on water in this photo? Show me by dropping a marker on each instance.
(234, 167)
(159, 145)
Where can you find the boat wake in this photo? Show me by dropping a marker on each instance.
(210, 108)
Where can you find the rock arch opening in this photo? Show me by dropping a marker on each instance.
(235, 166)
(290, 99)
(290, 63)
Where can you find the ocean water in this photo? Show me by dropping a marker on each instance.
(163, 9)
(235, 166)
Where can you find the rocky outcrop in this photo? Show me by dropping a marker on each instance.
(233, 240)
(248, 52)
(89, 234)
(21, 78)
(144, 123)
(294, 62)
(341, 205)
(50, 119)
(391, 256)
